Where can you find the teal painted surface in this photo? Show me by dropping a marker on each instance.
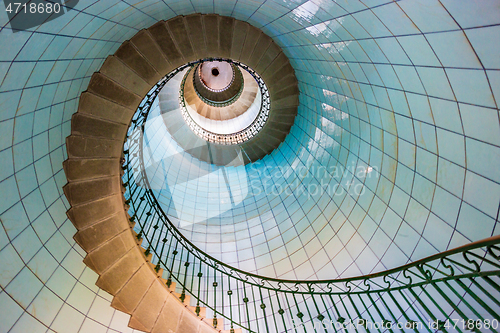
(408, 88)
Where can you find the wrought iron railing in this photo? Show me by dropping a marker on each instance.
(457, 290)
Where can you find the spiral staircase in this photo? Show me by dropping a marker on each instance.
(95, 149)
(410, 87)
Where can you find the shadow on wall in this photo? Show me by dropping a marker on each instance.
(28, 14)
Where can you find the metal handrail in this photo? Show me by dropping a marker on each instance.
(459, 284)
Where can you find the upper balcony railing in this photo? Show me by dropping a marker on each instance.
(457, 290)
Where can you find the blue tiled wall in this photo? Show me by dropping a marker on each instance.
(408, 88)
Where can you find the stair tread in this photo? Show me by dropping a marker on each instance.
(119, 72)
(160, 34)
(137, 62)
(146, 45)
(149, 308)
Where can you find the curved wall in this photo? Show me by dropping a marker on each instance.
(409, 88)
(391, 157)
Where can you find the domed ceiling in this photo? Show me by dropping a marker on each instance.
(393, 155)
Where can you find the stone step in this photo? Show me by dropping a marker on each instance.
(271, 140)
(79, 146)
(98, 107)
(286, 98)
(116, 276)
(271, 53)
(251, 43)
(145, 44)
(283, 83)
(260, 48)
(164, 40)
(174, 317)
(101, 258)
(129, 296)
(147, 311)
(91, 168)
(225, 36)
(239, 35)
(105, 87)
(85, 215)
(85, 125)
(178, 30)
(129, 55)
(251, 152)
(90, 190)
(276, 80)
(119, 72)
(211, 32)
(99, 233)
(279, 62)
(284, 115)
(194, 26)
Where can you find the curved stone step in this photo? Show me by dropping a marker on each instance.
(116, 276)
(260, 49)
(107, 88)
(163, 39)
(194, 25)
(132, 292)
(251, 44)
(268, 57)
(211, 32)
(90, 190)
(238, 40)
(178, 31)
(120, 73)
(87, 214)
(99, 107)
(95, 235)
(91, 168)
(226, 36)
(147, 311)
(130, 56)
(85, 125)
(146, 45)
(103, 257)
(79, 146)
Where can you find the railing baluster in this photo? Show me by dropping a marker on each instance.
(478, 299)
(388, 308)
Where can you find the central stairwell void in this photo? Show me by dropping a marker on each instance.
(187, 145)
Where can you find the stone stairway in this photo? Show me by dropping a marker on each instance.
(95, 148)
(222, 113)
